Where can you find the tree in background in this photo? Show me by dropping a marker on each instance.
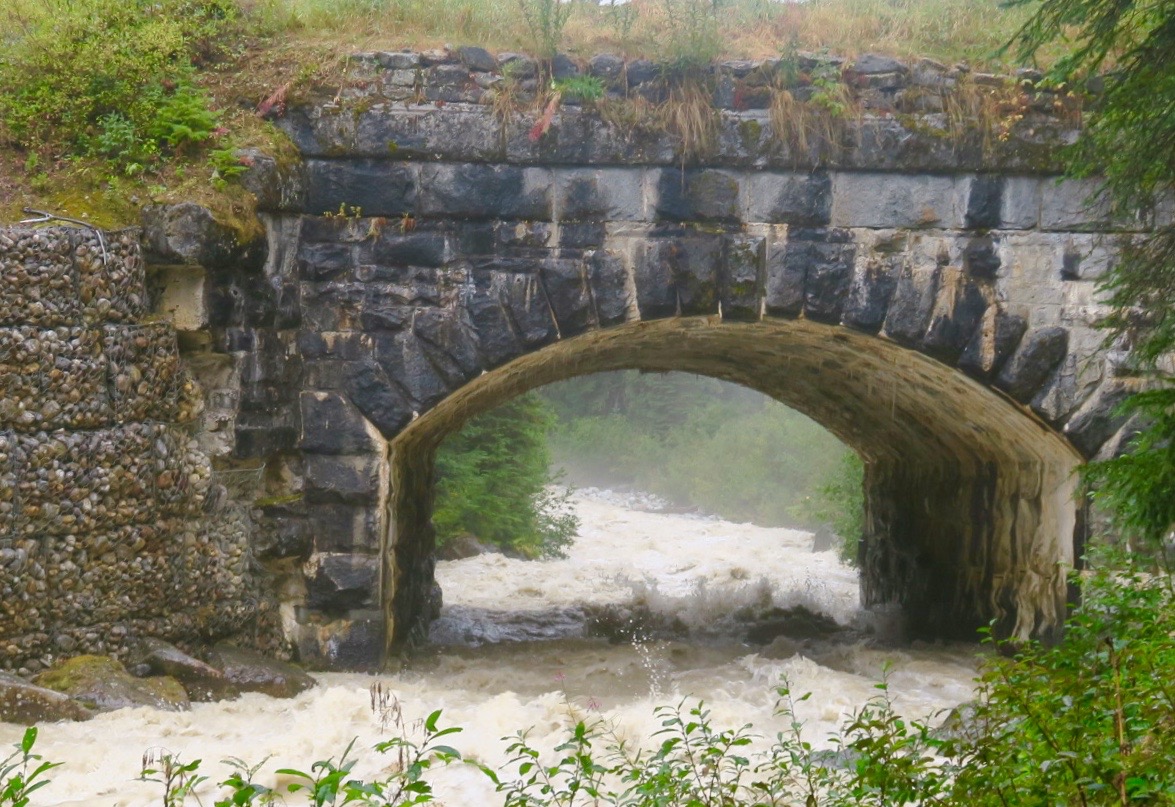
(493, 481)
(1129, 140)
(704, 443)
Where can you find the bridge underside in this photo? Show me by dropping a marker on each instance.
(971, 513)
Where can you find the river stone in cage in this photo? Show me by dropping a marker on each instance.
(52, 378)
(189, 397)
(144, 371)
(112, 289)
(182, 473)
(22, 582)
(7, 488)
(82, 481)
(38, 285)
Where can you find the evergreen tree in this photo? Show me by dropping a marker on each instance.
(493, 482)
(1130, 141)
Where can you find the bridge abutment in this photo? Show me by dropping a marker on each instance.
(961, 548)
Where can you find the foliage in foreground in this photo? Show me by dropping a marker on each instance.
(1089, 722)
(494, 482)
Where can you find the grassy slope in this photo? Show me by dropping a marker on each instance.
(284, 41)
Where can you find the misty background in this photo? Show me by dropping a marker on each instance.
(698, 443)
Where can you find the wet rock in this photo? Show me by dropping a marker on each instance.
(642, 71)
(795, 623)
(104, 685)
(25, 703)
(620, 624)
(782, 647)
(562, 67)
(872, 63)
(606, 66)
(253, 672)
(824, 539)
(202, 681)
(188, 233)
(517, 65)
(461, 547)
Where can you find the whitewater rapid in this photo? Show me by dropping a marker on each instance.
(628, 557)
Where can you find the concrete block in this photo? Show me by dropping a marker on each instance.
(1021, 203)
(182, 299)
(697, 195)
(1074, 205)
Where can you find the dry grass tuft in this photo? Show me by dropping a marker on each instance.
(690, 117)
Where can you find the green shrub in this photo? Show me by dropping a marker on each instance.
(837, 503)
(22, 772)
(691, 38)
(1091, 721)
(493, 478)
(111, 78)
(580, 88)
(546, 20)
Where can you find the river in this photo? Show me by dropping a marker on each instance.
(649, 607)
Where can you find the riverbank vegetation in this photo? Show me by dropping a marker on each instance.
(494, 482)
(704, 444)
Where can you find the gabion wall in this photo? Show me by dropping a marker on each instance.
(104, 534)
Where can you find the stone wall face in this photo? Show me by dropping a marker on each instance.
(103, 493)
(924, 291)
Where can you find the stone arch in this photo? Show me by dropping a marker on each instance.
(970, 511)
(937, 354)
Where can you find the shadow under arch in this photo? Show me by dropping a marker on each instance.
(971, 506)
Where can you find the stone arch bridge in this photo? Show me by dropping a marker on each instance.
(928, 297)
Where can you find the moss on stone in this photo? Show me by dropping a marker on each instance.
(273, 501)
(103, 684)
(751, 133)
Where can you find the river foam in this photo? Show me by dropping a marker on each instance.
(701, 570)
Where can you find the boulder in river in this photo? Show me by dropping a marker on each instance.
(103, 684)
(253, 672)
(25, 703)
(824, 539)
(463, 546)
(202, 681)
(796, 622)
